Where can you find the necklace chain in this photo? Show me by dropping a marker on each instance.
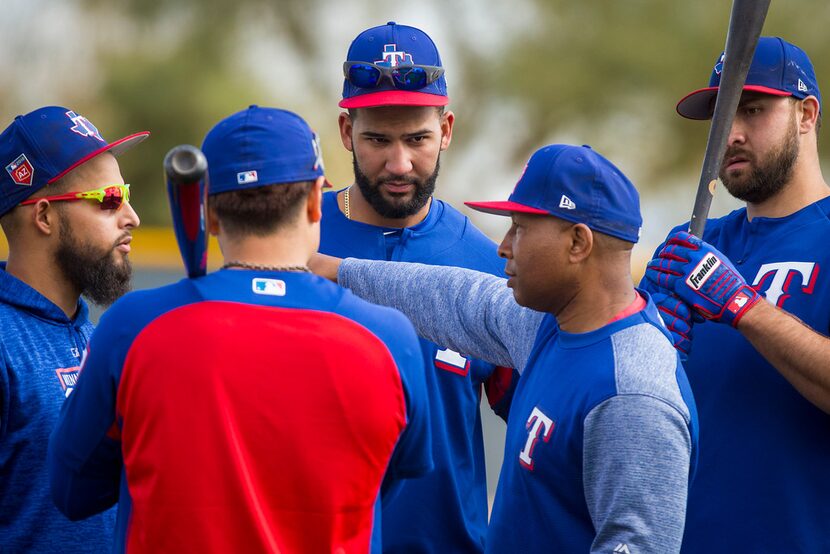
(346, 203)
(245, 265)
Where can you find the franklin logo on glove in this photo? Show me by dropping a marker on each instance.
(702, 271)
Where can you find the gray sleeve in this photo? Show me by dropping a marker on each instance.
(637, 451)
(470, 312)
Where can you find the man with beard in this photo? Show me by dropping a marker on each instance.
(66, 215)
(762, 382)
(396, 127)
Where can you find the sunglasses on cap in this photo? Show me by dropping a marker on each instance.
(403, 77)
(111, 197)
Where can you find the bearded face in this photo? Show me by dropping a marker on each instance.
(765, 174)
(101, 273)
(394, 205)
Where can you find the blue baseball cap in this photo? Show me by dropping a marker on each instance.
(778, 68)
(576, 184)
(44, 145)
(259, 147)
(391, 45)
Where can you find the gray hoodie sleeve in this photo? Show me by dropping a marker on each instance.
(470, 312)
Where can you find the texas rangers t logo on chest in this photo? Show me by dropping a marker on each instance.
(780, 276)
(539, 426)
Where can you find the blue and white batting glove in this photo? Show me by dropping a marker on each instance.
(703, 278)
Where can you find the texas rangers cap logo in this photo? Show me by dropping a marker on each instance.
(392, 57)
(21, 170)
(83, 126)
(719, 65)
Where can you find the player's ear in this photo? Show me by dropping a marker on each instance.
(45, 217)
(447, 121)
(314, 204)
(344, 121)
(809, 114)
(581, 242)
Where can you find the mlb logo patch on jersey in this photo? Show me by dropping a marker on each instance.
(268, 287)
(68, 377)
(21, 171)
(450, 360)
(246, 177)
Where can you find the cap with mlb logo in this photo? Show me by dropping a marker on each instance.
(261, 146)
(415, 74)
(574, 183)
(42, 146)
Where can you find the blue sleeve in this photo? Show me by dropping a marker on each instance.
(4, 397)
(84, 458)
(412, 456)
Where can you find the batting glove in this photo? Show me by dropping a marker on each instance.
(678, 318)
(703, 278)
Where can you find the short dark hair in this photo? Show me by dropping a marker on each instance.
(354, 111)
(259, 211)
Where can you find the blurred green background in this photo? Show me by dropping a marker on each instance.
(521, 74)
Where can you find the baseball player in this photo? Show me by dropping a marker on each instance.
(762, 380)
(602, 435)
(65, 211)
(256, 409)
(396, 127)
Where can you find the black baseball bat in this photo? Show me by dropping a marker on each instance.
(185, 168)
(745, 26)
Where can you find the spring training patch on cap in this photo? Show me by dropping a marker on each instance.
(21, 171)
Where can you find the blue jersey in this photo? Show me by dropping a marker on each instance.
(572, 426)
(763, 482)
(243, 411)
(445, 511)
(41, 351)
(602, 431)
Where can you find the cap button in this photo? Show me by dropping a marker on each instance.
(253, 106)
(391, 23)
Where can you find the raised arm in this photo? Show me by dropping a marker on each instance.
(470, 312)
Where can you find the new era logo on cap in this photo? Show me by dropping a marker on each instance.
(21, 171)
(576, 184)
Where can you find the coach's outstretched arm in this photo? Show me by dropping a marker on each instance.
(471, 312)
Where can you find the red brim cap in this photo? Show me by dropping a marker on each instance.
(701, 103)
(117, 148)
(394, 98)
(505, 207)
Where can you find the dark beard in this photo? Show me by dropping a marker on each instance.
(391, 209)
(91, 270)
(766, 179)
